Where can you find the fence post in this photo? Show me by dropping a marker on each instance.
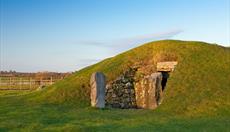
(51, 80)
(20, 83)
(40, 82)
(10, 83)
(30, 83)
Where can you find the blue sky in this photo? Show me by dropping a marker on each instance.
(66, 35)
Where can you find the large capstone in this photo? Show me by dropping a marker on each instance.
(149, 91)
(97, 96)
(166, 66)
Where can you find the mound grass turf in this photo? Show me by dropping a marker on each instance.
(196, 95)
(54, 117)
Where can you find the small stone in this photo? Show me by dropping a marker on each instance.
(132, 91)
(122, 105)
(128, 84)
(120, 94)
(115, 105)
(110, 90)
(114, 95)
(127, 91)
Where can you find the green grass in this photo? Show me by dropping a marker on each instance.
(14, 92)
(56, 117)
(196, 97)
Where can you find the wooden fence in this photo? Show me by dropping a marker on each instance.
(12, 83)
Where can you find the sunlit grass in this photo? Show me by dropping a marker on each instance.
(196, 97)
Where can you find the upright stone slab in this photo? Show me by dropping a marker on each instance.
(156, 82)
(148, 91)
(97, 96)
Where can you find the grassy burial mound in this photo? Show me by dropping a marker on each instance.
(196, 95)
(199, 84)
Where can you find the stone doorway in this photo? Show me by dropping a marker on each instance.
(127, 92)
(165, 76)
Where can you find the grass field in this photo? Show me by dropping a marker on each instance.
(14, 92)
(21, 116)
(17, 114)
(196, 97)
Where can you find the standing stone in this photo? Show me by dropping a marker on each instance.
(149, 91)
(97, 96)
(156, 79)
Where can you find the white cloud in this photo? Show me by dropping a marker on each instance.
(121, 45)
(117, 46)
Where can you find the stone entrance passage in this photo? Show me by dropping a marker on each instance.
(128, 92)
(149, 90)
(165, 68)
(165, 76)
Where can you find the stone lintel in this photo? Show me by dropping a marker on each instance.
(166, 66)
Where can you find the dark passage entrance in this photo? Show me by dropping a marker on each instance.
(165, 67)
(165, 76)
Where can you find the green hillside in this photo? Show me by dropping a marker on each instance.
(196, 95)
(199, 84)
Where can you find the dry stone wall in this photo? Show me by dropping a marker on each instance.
(120, 93)
(127, 91)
